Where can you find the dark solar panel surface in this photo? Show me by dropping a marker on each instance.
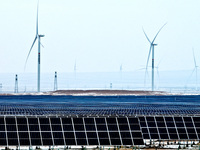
(100, 120)
(29, 130)
(99, 105)
(170, 128)
(54, 130)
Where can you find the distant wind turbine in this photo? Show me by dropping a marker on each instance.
(194, 70)
(55, 82)
(121, 68)
(75, 69)
(152, 44)
(37, 37)
(195, 66)
(16, 83)
(157, 68)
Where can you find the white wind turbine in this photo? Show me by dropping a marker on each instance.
(195, 67)
(158, 74)
(152, 44)
(194, 70)
(37, 37)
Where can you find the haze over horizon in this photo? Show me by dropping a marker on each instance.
(99, 35)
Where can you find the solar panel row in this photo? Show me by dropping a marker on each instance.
(170, 128)
(25, 131)
(59, 130)
(74, 108)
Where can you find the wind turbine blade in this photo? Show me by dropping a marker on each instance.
(146, 35)
(159, 63)
(194, 58)
(148, 57)
(158, 81)
(158, 74)
(37, 19)
(146, 72)
(30, 51)
(158, 32)
(190, 75)
(41, 44)
(145, 76)
(140, 69)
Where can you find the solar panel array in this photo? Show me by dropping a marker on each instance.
(97, 108)
(170, 128)
(69, 131)
(99, 105)
(68, 121)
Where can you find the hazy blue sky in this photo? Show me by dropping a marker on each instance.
(99, 34)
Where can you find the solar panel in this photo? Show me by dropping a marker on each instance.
(104, 105)
(99, 123)
(177, 128)
(40, 130)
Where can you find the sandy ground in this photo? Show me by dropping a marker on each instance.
(105, 92)
(96, 93)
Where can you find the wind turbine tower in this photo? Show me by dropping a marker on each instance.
(55, 82)
(152, 45)
(37, 37)
(16, 83)
(195, 67)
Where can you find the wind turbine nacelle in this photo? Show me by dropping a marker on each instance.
(41, 35)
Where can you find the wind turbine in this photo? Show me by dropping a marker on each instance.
(158, 75)
(16, 83)
(55, 82)
(152, 44)
(195, 67)
(194, 70)
(37, 37)
(121, 68)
